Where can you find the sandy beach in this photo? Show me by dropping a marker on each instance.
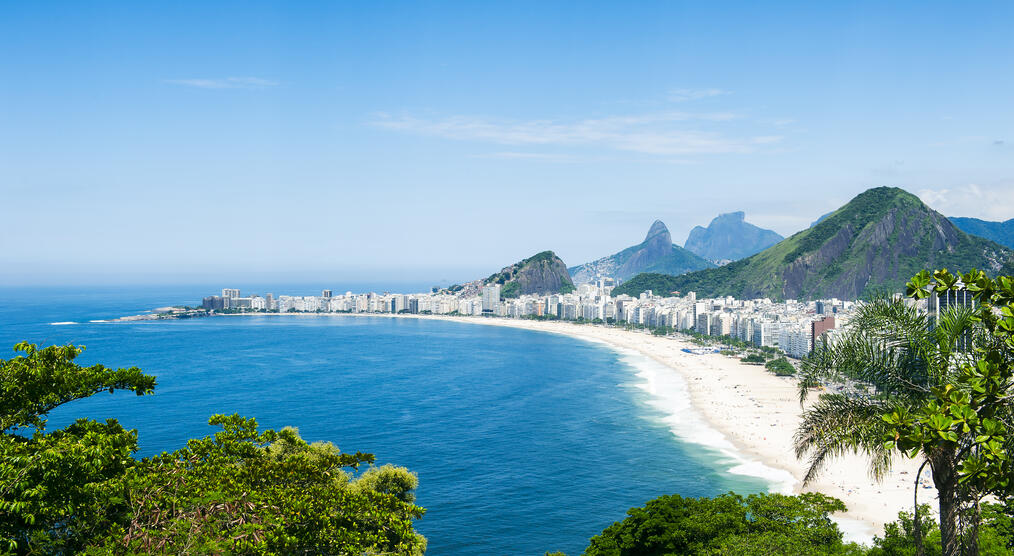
(756, 412)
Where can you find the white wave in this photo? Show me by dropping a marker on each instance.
(854, 530)
(99, 320)
(669, 394)
(62, 323)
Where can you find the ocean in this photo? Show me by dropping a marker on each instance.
(524, 441)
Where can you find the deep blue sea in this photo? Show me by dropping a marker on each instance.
(523, 441)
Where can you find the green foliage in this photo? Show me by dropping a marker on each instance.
(79, 489)
(972, 407)
(942, 392)
(867, 207)
(899, 536)
(510, 290)
(780, 367)
(248, 491)
(659, 284)
(727, 524)
(754, 359)
(547, 261)
(54, 486)
(995, 536)
(775, 274)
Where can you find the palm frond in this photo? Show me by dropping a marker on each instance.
(838, 424)
(886, 345)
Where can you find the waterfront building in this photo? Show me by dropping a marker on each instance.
(818, 328)
(490, 298)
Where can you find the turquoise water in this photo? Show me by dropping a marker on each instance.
(523, 441)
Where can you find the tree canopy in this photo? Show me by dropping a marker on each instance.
(771, 524)
(243, 490)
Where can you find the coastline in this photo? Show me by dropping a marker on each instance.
(753, 413)
(757, 413)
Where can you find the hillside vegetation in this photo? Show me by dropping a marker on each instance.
(873, 243)
(541, 274)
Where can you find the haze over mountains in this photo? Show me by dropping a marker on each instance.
(655, 254)
(729, 237)
(875, 242)
(1000, 232)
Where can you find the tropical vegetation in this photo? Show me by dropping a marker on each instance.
(79, 489)
(873, 243)
(934, 387)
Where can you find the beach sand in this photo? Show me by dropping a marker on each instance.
(756, 412)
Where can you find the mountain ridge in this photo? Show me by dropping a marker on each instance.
(729, 237)
(876, 241)
(1000, 232)
(655, 254)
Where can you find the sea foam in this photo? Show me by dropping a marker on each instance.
(668, 393)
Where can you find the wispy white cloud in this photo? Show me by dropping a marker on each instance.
(660, 133)
(987, 202)
(515, 155)
(684, 95)
(225, 83)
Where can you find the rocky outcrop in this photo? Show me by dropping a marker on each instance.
(540, 274)
(729, 237)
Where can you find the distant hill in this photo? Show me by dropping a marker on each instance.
(877, 241)
(1000, 232)
(729, 237)
(655, 254)
(821, 219)
(540, 274)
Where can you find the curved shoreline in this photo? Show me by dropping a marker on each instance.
(758, 413)
(754, 411)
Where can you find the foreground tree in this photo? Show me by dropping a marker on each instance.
(241, 490)
(246, 491)
(55, 487)
(771, 524)
(938, 389)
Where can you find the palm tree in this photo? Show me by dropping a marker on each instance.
(890, 358)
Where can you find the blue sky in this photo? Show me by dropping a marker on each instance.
(440, 141)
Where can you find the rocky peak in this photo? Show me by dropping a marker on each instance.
(658, 233)
(738, 216)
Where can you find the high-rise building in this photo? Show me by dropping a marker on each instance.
(490, 298)
(947, 301)
(214, 303)
(818, 328)
(230, 293)
(326, 294)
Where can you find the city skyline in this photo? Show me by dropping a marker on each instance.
(439, 143)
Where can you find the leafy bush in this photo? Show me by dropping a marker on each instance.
(771, 524)
(780, 367)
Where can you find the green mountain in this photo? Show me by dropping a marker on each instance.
(540, 274)
(1000, 232)
(655, 254)
(876, 242)
(729, 237)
